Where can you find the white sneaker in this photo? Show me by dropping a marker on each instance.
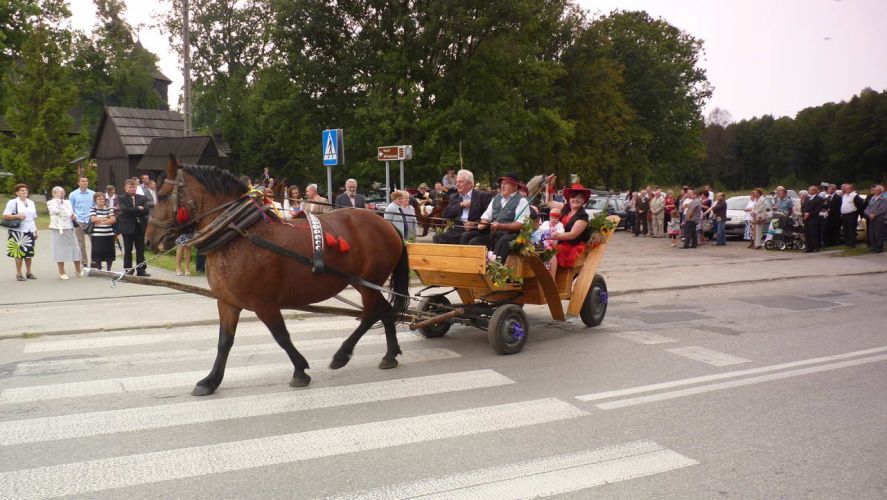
(63, 276)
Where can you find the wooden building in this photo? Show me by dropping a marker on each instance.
(194, 150)
(123, 137)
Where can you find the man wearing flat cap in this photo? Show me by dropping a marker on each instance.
(501, 222)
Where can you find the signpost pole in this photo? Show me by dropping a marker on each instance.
(387, 181)
(401, 175)
(329, 183)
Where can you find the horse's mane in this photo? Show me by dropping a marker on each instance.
(217, 181)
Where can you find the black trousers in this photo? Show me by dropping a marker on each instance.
(690, 240)
(831, 233)
(876, 230)
(450, 236)
(137, 240)
(499, 242)
(848, 226)
(640, 223)
(813, 233)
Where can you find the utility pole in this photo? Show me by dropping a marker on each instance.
(186, 59)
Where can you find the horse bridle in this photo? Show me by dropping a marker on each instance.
(171, 225)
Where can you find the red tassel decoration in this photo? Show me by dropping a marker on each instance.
(343, 246)
(181, 215)
(330, 240)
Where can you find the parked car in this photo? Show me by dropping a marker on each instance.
(612, 204)
(736, 214)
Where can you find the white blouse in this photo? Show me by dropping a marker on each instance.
(60, 213)
(29, 208)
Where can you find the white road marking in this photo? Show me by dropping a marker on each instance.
(103, 474)
(737, 383)
(721, 376)
(543, 477)
(233, 376)
(43, 367)
(191, 333)
(155, 417)
(711, 357)
(644, 337)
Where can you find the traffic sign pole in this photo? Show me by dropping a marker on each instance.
(329, 184)
(387, 181)
(401, 175)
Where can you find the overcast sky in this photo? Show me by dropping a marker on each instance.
(762, 56)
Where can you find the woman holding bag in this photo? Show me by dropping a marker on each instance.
(102, 217)
(21, 241)
(61, 225)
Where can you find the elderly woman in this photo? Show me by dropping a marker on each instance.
(103, 217)
(61, 225)
(21, 241)
(571, 242)
(402, 215)
(759, 216)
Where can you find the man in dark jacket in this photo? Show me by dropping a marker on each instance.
(813, 219)
(831, 231)
(350, 198)
(133, 220)
(465, 207)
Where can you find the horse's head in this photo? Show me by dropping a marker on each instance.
(166, 221)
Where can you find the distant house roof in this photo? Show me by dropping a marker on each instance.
(157, 75)
(137, 127)
(199, 149)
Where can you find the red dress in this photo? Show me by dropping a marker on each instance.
(569, 250)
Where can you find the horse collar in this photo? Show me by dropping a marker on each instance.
(316, 242)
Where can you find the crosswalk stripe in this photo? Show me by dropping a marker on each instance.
(191, 333)
(167, 380)
(117, 472)
(708, 356)
(48, 366)
(720, 376)
(644, 337)
(621, 403)
(542, 477)
(155, 417)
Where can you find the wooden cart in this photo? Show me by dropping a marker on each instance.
(498, 309)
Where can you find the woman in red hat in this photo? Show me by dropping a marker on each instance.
(576, 228)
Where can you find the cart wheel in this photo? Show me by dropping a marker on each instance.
(769, 244)
(780, 245)
(508, 329)
(789, 244)
(800, 244)
(595, 306)
(430, 304)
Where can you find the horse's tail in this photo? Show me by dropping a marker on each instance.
(400, 285)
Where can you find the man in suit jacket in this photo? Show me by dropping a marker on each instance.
(314, 203)
(812, 219)
(350, 198)
(831, 231)
(464, 209)
(133, 220)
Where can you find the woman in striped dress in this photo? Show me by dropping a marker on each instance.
(103, 217)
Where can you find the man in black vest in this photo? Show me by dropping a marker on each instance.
(133, 220)
(504, 217)
(465, 207)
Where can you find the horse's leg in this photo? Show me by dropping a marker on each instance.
(343, 355)
(228, 317)
(390, 359)
(273, 319)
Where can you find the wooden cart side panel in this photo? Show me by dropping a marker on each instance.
(592, 260)
(549, 290)
(446, 278)
(440, 250)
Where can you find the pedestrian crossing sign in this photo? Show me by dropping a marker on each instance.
(333, 147)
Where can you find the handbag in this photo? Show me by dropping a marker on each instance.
(14, 223)
(89, 227)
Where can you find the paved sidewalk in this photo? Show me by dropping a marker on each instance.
(49, 306)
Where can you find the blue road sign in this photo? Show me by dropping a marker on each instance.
(333, 147)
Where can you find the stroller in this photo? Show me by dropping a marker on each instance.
(785, 233)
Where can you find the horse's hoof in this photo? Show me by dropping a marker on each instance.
(202, 390)
(302, 381)
(387, 364)
(339, 362)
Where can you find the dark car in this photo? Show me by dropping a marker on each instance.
(612, 204)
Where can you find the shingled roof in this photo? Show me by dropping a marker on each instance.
(137, 127)
(195, 150)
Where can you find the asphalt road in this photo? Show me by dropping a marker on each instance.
(691, 389)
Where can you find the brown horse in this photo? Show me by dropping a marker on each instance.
(243, 275)
(435, 218)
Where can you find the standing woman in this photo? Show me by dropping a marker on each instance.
(759, 214)
(401, 215)
(292, 205)
(571, 243)
(61, 225)
(749, 220)
(21, 241)
(630, 202)
(104, 218)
